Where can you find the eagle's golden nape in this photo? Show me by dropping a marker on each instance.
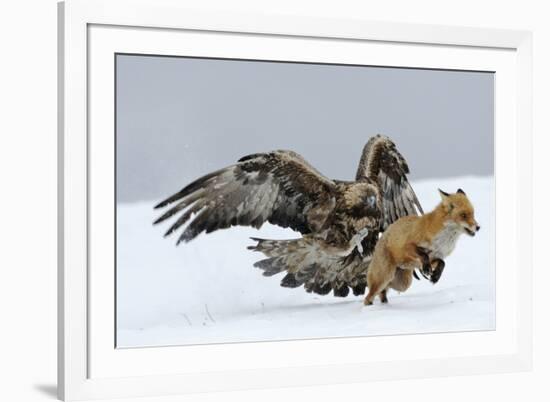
(339, 221)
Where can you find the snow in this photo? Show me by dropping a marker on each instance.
(207, 291)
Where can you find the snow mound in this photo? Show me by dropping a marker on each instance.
(207, 291)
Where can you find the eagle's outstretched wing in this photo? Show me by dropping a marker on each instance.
(382, 162)
(279, 187)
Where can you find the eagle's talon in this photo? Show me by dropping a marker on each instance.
(359, 246)
(358, 239)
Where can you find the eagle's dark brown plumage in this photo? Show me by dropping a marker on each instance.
(339, 221)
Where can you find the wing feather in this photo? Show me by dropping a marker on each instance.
(382, 162)
(279, 187)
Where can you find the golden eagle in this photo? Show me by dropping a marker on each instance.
(340, 221)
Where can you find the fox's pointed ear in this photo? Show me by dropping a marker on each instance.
(443, 194)
(460, 191)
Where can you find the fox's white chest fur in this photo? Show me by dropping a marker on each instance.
(444, 242)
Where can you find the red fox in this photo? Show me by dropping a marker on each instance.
(419, 242)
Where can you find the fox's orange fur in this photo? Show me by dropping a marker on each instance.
(419, 242)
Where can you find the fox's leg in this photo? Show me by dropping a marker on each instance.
(433, 269)
(378, 278)
(380, 272)
(375, 289)
(438, 270)
(384, 296)
(425, 260)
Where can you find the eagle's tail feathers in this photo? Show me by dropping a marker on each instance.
(307, 264)
(271, 266)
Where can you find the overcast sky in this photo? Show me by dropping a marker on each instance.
(180, 118)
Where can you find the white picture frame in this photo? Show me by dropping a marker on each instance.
(90, 367)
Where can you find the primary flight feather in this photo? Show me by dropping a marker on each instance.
(340, 221)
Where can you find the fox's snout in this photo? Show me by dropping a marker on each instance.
(472, 229)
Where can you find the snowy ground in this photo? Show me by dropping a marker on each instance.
(207, 291)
